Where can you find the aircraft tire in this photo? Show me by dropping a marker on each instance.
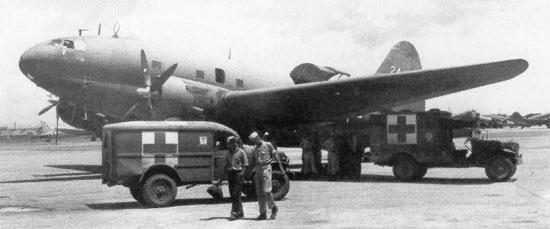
(159, 190)
(405, 168)
(500, 168)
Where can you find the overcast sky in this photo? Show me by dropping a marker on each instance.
(275, 36)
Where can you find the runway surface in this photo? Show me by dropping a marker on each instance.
(43, 185)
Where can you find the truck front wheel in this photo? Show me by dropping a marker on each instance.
(280, 185)
(500, 168)
(159, 190)
(137, 192)
(405, 169)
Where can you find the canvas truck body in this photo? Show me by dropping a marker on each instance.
(413, 142)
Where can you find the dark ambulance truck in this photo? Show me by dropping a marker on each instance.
(153, 158)
(413, 142)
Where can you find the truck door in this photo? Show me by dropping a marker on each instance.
(219, 157)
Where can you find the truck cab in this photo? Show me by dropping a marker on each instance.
(413, 142)
(153, 158)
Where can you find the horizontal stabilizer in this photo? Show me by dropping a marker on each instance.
(307, 73)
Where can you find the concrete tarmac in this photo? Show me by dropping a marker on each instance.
(43, 185)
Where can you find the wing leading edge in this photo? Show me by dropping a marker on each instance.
(325, 101)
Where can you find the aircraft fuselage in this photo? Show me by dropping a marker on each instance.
(101, 75)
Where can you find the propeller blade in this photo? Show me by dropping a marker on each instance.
(145, 69)
(129, 111)
(157, 84)
(46, 109)
(152, 114)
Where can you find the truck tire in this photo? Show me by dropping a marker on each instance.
(500, 168)
(137, 192)
(280, 185)
(405, 168)
(249, 190)
(421, 172)
(159, 190)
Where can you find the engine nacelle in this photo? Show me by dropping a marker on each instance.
(74, 115)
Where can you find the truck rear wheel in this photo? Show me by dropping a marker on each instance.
(405, 168)
(280, 185)
(137, 192)
(500, 168)
(159, 190)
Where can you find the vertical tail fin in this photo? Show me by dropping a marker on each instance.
(44, 127)
(402, 57)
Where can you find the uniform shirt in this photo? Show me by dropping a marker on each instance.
(263, 153)
(236, 161)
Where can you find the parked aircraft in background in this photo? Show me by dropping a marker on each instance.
(42, 131)
(102, 80)
(518, 120)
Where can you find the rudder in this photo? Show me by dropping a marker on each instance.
(402, 57)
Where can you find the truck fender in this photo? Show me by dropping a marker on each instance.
(160, 169)
(503, 152)
(398, 155)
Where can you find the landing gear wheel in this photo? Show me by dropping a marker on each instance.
(159, 190)
(500, 168)
(137, 192)
(421, 172)
(280, 185)
(405, 168)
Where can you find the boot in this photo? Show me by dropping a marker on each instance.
(274, 211)
(262, 216)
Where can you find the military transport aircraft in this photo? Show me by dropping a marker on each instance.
(525, 121)
(101, 79)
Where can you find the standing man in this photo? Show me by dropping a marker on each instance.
(309, 167)
(333, 166)
(235, 168)
(262, 156)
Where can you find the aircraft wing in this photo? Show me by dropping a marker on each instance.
(328, 100)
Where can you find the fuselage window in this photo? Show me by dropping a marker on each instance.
(220, 75)
(239, 83)
(200, 74)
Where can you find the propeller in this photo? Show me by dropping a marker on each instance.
(151, 85)
(53, 103)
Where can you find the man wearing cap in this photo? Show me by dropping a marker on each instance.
(235, 168)
(261, 159)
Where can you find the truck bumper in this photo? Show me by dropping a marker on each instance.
(519, 159)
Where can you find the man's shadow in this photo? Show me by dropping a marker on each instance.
(177, 202)
(226, 218)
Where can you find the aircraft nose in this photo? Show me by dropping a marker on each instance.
(33, 59)
(27, 61)
(24, 62)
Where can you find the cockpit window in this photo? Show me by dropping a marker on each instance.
(68, 44)
(76, 44)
